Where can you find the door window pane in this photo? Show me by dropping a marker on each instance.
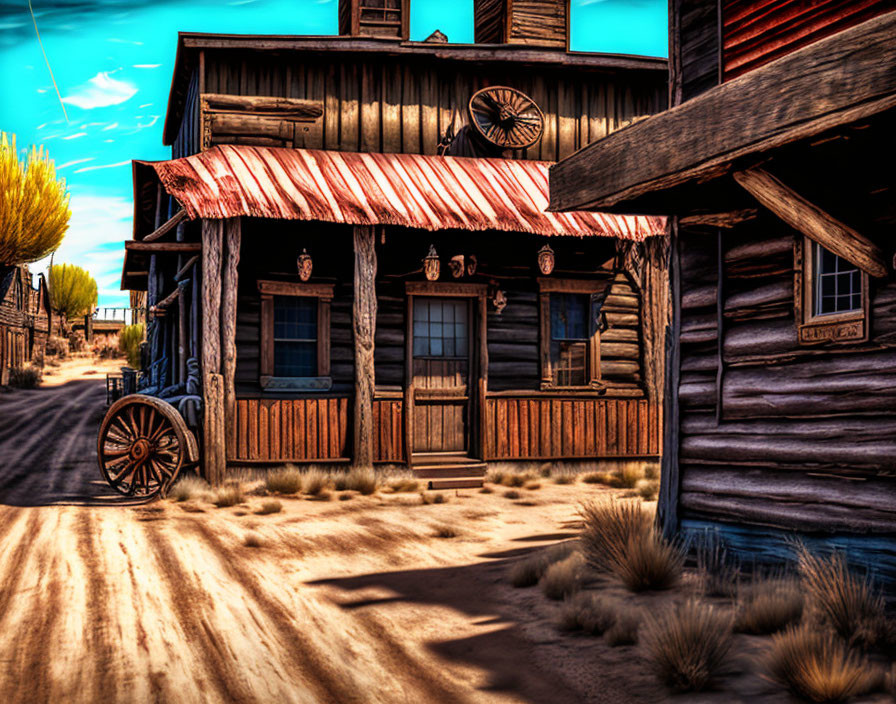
(440, 327)
(295, 336)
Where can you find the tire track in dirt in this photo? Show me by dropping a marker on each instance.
(185, 599)
(20, 412)
(13, 576)
(307, 658)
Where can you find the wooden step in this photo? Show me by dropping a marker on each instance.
(459, 483)
(430, 458)
(450, 471)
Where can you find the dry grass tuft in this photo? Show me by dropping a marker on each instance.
(841, 599)
(563, 578)
(817, 666)
(443, 530)
(687, 645)
(532, 486)
(286, 480)
(648, 489)
(427, 497)
(346, 497)
(315, 481)
(362, 480)
(486, 490)
(227, 495)
(588, 612)
(770, 605)
(621, 540)
(512, 494)
(253, 540)
(719, 573)
(322, 495)
(24, 377)
(188, 488)
(625, 630)
(269, 507)
(596, 478)
(564, 477)
(528, 571)
(403, 484)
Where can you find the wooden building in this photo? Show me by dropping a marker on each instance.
(24, 323)
(781, 402)
(326, 284)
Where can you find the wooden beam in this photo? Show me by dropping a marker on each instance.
(160, 307)
(726, 220)
(229, 280)
(812, 221)
(185, 269)
(364, 327)
(167, 227)
(290, 108)
(835, 81)
(213, 447)
(163, 247)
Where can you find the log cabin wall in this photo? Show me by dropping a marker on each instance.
(380, 103)
(805, 434)
(24, 324)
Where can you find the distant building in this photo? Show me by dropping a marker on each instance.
(24, 323)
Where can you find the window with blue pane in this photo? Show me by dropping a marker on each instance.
(295, 336)
(570, 332)
(440, 327)
(837, 285)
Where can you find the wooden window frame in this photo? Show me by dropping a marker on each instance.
(546, 287)
(833, 328)
(324, 295)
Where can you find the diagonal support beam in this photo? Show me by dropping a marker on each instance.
(812, 221)
(167, 227)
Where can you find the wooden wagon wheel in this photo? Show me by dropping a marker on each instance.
(142, 444)
(506, 117)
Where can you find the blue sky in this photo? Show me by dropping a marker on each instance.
(112, 60)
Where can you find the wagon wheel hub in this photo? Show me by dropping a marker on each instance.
(140, 450)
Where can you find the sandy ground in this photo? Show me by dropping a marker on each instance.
(352, 601)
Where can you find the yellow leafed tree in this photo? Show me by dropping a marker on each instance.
(34, 211)
(72, 291)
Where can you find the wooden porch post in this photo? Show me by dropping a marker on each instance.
(229, 279)
(364, 328)
(213, 456)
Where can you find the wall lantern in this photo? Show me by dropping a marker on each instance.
(431, 264)
(456, 265)
(304, 265)
(546, 260)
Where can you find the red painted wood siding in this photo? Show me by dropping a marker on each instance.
(755, 32)
(388, 442)
(540, 428)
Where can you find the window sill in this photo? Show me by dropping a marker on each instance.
(296, 383)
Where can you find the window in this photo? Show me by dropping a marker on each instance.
(440, 328)
(295, 336)
(832, 296)
(570, 340)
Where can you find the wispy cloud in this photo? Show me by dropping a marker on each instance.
(73, 162)
(104, 166)
(101, 91)
(110, 127)
(75, 136)
(147, 65)
(124, 41)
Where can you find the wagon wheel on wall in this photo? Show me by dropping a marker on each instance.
(142, 444)
(506, 117)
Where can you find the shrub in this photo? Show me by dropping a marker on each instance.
(511, 494)
(648, 489)
(401, 484)
(818, 667)
(486, 490)
(129, 340)
(269, 507)
(188, 488)
(625, 630)
(841, 599)
(286, 480)
(595, 478)
(362, 480)
(621, 540)
(528, 571)
(719, 573)
(72, 291)
(563, 578)
(687, 645)
(770, 605)
(24, 377)
(443, 530)
(588, 612)
(563, 477)
(253, 540)
(227, 495)
(315, 481)
(427, 498)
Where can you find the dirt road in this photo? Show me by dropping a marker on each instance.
(345, 601)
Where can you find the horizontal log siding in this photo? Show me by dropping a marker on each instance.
(385, 104)
(388, 422)
(555, 428)
(291, 429)
(807, 438)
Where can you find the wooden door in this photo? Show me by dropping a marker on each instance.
(441, 369)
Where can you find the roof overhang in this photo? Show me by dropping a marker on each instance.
(679, 161)
(190, 44)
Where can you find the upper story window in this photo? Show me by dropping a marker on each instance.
(295, 336)
(832, 296)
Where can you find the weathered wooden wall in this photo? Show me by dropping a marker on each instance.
(384, 103)
(24, 324)
(189, 137)
(695, 68)
(571, 427)
(806, 437)
(530, 22)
